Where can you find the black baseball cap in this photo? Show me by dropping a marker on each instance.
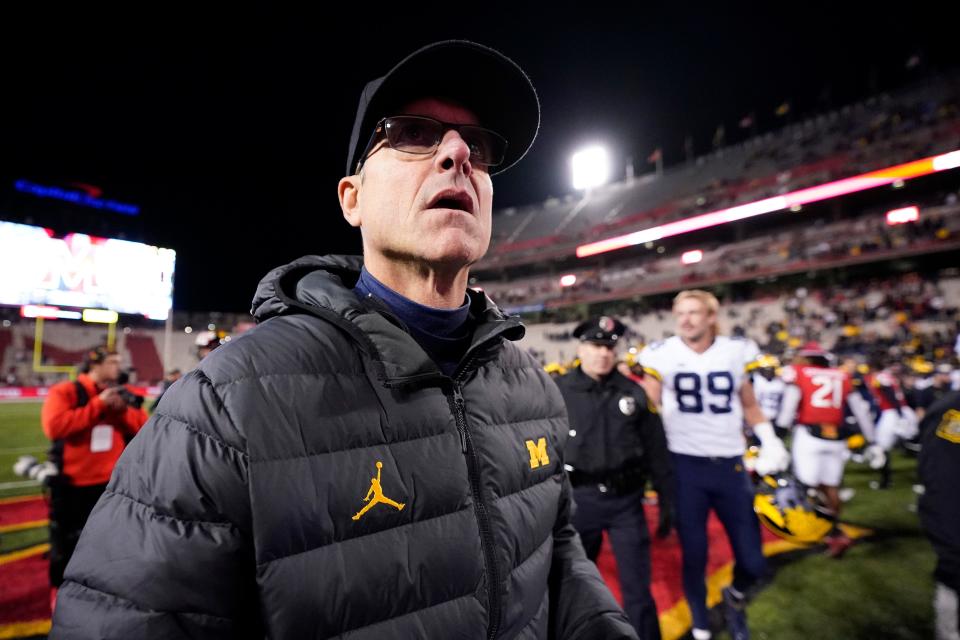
(482, 79)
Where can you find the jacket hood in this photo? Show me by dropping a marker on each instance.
(322, 286)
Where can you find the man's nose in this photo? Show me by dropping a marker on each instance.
(453, 154)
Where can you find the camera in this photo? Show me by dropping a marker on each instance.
(129, 397)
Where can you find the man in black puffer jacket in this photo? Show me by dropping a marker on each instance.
(376, 459)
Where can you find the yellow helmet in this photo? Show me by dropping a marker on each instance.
(555, 369)
(856, 442)
(851, 330)
(921, 366)
(764, 361)
(782, 506)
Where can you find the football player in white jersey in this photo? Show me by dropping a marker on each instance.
(699, 380)
(768, 385)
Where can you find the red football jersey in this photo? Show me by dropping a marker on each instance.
(823, 392)
(885, 389)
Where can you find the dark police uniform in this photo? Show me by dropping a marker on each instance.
(939, 507)
(616, 443)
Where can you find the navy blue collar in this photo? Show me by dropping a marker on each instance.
(443, 333)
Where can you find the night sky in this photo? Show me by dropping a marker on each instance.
(230, 129)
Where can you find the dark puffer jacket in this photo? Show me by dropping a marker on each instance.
(240, 510)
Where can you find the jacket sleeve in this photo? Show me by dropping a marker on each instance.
(167, 551)
(581, 605)
(61, 419)
(657, 455)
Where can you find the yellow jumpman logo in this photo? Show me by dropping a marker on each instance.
(378, 496)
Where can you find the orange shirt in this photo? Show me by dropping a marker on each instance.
(92, 436)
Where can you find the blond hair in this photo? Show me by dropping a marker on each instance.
(705, 298)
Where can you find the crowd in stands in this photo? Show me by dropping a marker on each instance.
(797, 245)
(921, 321)
(883, 131)
(897, 319)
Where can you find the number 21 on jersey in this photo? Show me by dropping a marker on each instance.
(828, 391)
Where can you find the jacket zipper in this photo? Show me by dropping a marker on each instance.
(486, 533)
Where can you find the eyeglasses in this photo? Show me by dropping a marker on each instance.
(420, 135)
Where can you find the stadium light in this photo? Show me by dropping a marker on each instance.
(947, 161)
(902, 216)
(591, 167)
(568, 280)
(102, 316)
(871, 180)
(691, 257)
(47, 312)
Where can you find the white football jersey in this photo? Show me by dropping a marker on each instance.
(769, 395)
(701, 409)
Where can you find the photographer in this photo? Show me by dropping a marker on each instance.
(89, 421)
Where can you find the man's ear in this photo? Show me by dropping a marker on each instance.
(348, 191)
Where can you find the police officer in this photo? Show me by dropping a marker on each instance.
(616, 442)
(939, 508)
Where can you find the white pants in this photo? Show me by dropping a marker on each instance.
(893, 424)
(817, 461)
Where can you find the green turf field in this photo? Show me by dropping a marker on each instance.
(882, 588)
(20, 434)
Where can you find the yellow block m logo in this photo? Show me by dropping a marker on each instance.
(538, 453)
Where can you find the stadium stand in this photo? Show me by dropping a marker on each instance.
(55, 355)
(891, 314)
(6, 339)
(140, 343)
(882, 131)
(791, 248)
(144, 357)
